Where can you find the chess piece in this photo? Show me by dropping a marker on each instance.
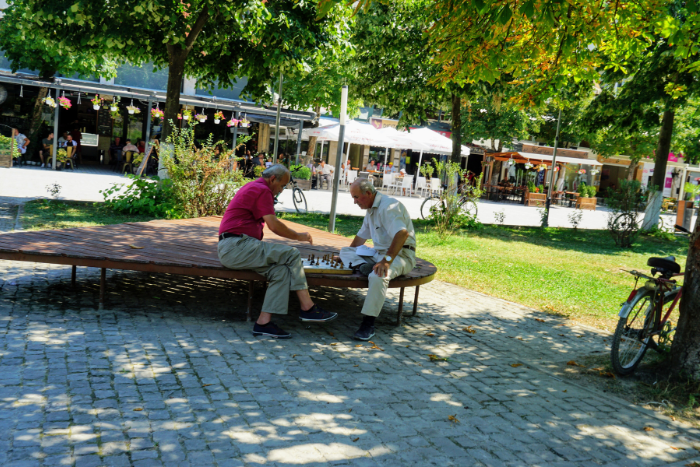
(316, 261)
(350, 265)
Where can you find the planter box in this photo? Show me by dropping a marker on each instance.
(535, 199)
(303, 184)
(5, 160)
(586, 203)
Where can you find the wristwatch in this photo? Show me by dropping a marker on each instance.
(388, 258)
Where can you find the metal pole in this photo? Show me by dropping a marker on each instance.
(338, 158)
(301, 127)
(277, 121)
(321, 156)
(148, 122)
(55, 133)
(545, 219)
(235, 133)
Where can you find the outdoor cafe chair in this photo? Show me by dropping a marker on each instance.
(387, 181)
(421, 186)
(435, 187)
(71, 157)
(352, 175)
(406, 184)
(127, 162)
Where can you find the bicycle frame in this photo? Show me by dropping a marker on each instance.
(668, 285)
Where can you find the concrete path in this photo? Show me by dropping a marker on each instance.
(168, 374)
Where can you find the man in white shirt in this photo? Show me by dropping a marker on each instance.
(129, 146)
(21, 140)
(389, 226)
(325, 172)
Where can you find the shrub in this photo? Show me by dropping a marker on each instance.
(7, 145)
(541, 188)
(202, 181)
(583, 190)
(592, 191)
(622, 218)
(151, 197)
(448, 215)
(300, 172)
(531, 186)
(427, 170)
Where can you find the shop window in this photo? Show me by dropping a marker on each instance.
(142, 77)
(233, 92)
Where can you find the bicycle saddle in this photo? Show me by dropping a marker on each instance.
(667, 264)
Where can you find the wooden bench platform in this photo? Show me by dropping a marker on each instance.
(186, 247)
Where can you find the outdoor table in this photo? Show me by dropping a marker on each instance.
(184, 247)
(573, 196)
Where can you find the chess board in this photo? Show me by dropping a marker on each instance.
(324, 267)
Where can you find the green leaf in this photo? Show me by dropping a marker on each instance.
(74, 8)
(505, 15)
(528, 9)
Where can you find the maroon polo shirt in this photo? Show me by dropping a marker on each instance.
(244, 214)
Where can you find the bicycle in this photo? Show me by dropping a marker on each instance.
(644, 315)
(298, 197)
(466, 204)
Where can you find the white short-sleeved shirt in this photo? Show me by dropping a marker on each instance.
(384, 220)
(325, 170)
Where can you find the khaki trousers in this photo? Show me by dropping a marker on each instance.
(376, 293)
(280, 264)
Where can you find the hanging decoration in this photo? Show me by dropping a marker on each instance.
(218, 116)
(132, 109)
(582, 172)
(157, 113)
(64, 102)
(96, 102)
(232, 122)
(48, 100)
(114, 106)
(528, 165)
(186, 114)
(21, 90)
(244, 122)
(201, 117)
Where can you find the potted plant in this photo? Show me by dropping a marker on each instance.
(427, 171)
(65, 102)
(48, 100)
(61, 158)
(218, 116)
(96, 102)
(302, 175)
(114, 106)
(233, 122)
(692, 191)
(245, 123)
(157, 113)
(587, 197)
(132, 109)
(201, 117)
(7, 151)
(186, 114)
(534, 195)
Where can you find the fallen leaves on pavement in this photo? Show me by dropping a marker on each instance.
(648, 428)
(138, 409)
(430, 334)
(435, 358)
(374, 347)
(453, 418)
(516, 365)
(540, 320)
(469, 330)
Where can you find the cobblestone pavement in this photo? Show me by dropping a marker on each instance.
(167, 373)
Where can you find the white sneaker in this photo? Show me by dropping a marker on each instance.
(43, 165)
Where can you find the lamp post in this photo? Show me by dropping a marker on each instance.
(338, 158)
(545, 218)
(277, 120)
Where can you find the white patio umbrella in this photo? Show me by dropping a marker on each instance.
(400, 141)
(435, 141)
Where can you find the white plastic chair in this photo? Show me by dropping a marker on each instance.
(435, 187)
(407, 184)
(387, 181)
(421, 185)
(352, 175)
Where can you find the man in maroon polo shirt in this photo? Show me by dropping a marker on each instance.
(241, 247)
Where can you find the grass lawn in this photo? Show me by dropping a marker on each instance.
(43, 215)
(579, 274)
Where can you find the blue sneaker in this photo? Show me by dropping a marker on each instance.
(317, 315)
(270, 330)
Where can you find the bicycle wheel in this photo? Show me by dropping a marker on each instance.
(632, 334)
(429, 206)
(469, 208)
(299, 200)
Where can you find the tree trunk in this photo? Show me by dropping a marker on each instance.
(685, 351)
(176, 73)
(456, 129)
(632, 168)
(35, 123)
(662, 149)
(312, 140)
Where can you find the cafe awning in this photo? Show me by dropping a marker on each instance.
(524, 157)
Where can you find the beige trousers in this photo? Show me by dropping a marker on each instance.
(376, 293)
(280, 264)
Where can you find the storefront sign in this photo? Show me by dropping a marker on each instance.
(89, 139)
(380, 123)
(548, 151)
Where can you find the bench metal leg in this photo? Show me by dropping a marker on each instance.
(249, 310)
(415, 301)
(103, 277)
(398, 318)
(72, 275)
